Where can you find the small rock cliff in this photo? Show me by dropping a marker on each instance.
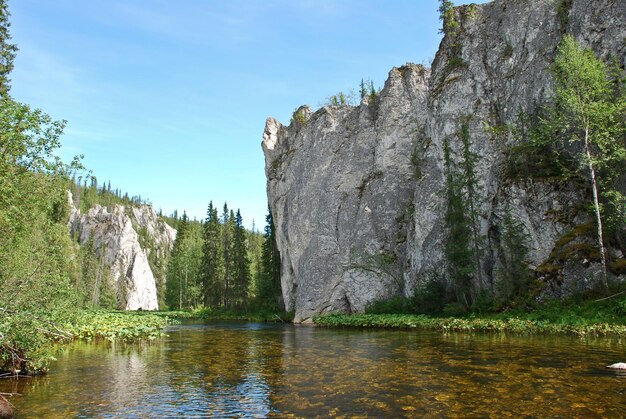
(357, 193)
(120, 236)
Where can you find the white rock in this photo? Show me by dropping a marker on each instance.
(114, 234)
(618, 366)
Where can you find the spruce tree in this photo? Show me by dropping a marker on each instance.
(241, 265)
(458, 249)
(212, 262)
(472, 198)
(174, 289)
(269, 294)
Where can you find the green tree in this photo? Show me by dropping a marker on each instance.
(175, 269)
(471, 196)
(212, 265)
(514, 273)
(7, 50)
(269, 294)
(241, 265)
(447, 17)
(458, 249)
(590, 114)
(36, 253)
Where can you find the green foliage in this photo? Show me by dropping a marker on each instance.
(448, 18)
(458, 247)
(117, 326)
(300, 117)
(184, 286)
(7, 50)
(587, 122)
(416, 162)
(268, 287)
(562, 11)
(514, 275)
(35, 249)
(377, 174)
(341, 99)
(568, 318)
(431, 297)
(212, 264)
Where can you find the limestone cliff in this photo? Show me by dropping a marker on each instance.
(357, 193)
(120, 235)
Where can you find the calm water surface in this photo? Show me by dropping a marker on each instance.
(258, 370)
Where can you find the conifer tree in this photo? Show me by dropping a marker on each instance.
(269, 294)
(174, 288)
(241, 265)
(458, 250)
(7, 50)
(471, 197)
(212, 262)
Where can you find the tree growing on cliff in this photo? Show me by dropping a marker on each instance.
(471, 196)
(458, 248)
(269, 294)
(590, 114)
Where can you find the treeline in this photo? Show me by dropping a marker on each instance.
(86, 193)
(218, 264)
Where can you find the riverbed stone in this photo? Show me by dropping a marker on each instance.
(618, 366)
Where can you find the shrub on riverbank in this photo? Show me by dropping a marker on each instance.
(118, 326)
(468, 325)
(28, 342)
(595, 318)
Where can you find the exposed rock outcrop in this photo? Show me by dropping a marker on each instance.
(357, 193)
(117, 235)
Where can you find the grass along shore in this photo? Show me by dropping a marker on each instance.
(598, 318)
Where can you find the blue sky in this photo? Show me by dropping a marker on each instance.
(169, 99)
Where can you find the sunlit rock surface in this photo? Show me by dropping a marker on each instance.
(357, 193)
(115, 232)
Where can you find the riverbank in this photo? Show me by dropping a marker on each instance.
(264, 316)
(577, 319)
(28, 342)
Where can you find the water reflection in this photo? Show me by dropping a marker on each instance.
(257, 370)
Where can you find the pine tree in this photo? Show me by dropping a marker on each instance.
(458, 250)
(241, 265)
(471, 197)
(514, 274)
(212, 262)
(269, 294)
(175, 284)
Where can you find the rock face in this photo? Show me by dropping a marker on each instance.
(357, 193)
(117, 235)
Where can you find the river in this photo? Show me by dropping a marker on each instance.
(236, 369)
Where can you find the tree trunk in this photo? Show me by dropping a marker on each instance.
(596, 204)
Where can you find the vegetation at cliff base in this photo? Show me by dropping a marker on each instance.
(600, 318)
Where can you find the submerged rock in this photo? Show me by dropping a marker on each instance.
(6, 408)
(357, 193)
(618, 366)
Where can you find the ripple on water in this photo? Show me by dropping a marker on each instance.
(241, 369)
